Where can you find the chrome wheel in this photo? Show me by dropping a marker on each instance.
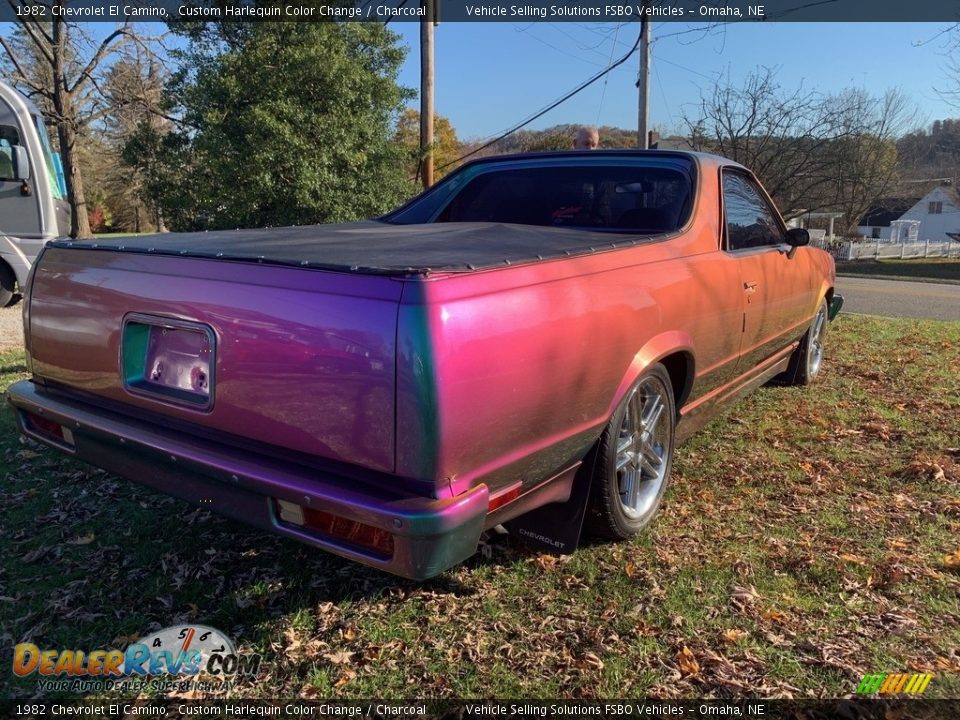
(817, 334)
(643, 448)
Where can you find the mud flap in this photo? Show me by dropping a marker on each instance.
(836, 302)
(556, 528)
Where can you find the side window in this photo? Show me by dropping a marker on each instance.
(750, 222)
(8, 137)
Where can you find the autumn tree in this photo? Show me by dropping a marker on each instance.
(56, 64)
(446, 146)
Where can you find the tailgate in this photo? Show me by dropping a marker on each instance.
(295, 358)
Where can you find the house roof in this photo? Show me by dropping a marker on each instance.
(886, 210)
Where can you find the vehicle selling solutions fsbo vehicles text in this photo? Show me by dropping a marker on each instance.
(618, 10)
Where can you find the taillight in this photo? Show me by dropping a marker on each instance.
(503, 497)
(336, 527)
(49, 429)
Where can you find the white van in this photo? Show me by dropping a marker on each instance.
(33, 197)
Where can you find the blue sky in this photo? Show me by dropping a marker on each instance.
(491, 75)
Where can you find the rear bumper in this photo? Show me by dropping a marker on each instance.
(429, 535)
(836, 302)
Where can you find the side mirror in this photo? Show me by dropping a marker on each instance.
(20, 162)
(797, 237)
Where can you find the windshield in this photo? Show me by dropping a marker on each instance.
(52, 161)
(617, 194)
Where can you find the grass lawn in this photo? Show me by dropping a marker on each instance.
(808, 538)
(938, 269)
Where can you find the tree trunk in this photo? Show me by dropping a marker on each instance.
(67, 133)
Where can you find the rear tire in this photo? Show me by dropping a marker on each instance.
(807, 360)
(634, 458)
(8, 286)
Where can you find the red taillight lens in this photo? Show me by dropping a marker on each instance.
(503, 497)
(49, 428)
(339, 528)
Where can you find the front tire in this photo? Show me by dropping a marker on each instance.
(634, 458)
(8, 286)
(807, 360)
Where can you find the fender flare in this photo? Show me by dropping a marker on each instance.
(12, 256)
(655, 349)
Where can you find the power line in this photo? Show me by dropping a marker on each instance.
(606, 80)
(582, 86)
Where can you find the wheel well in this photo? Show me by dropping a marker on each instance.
(829, 295)
(7, 271)
(679, 367)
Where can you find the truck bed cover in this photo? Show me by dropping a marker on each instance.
(375, 247)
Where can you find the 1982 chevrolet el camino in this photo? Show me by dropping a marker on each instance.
(524, 342)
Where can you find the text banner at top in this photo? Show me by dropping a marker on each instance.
(599, 11)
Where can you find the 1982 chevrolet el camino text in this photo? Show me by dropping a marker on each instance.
(524, 342)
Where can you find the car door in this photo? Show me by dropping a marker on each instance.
(775, 292)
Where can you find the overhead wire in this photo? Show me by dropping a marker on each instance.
(579, 88)
(606, 80)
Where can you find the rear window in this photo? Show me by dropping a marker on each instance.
(628, 197)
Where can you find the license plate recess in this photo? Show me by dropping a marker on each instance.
(168, 360)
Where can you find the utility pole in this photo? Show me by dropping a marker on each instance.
(426, 92)
(643, 84)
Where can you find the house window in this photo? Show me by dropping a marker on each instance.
(935, 208)
(876, 233)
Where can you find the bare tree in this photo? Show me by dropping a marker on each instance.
(59, 67)
(950, 89)
(133, 86)
(811, 151)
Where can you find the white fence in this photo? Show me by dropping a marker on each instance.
(877, 249)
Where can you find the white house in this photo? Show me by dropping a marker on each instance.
(938, 213)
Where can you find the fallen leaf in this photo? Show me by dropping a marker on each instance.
(591, 659)
(776, 616)
(341, 657)
(346, 675)
(952, 561)
(34, 555)
(82, 540)
(687, 662)
(732, 635)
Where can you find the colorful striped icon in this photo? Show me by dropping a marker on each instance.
(894, 684)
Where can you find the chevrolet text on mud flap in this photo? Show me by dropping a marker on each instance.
(524, 344)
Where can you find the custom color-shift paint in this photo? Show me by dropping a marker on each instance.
(402, 403)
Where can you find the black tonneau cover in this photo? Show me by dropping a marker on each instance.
(375, 247)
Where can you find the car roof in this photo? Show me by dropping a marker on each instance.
(702, 159)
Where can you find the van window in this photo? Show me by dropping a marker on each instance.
(54, 176)
(8, 137)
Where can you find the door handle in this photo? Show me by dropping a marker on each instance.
(750, 287)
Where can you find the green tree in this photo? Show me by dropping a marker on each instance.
(281, 124)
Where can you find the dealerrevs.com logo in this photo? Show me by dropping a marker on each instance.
(179, 658)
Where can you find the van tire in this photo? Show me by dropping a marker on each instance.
(8, 286)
